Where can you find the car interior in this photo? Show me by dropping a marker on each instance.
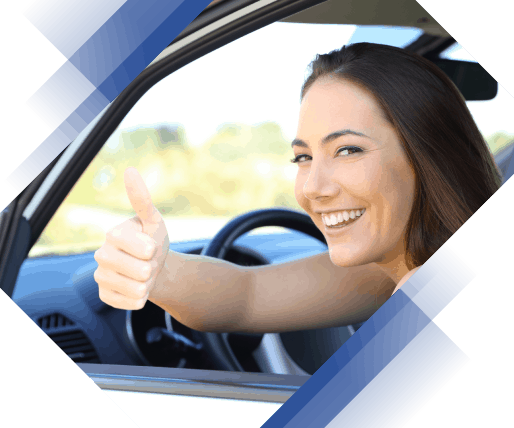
(57, 289)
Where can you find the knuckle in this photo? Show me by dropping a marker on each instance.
(104, 297)
(100, 255)
(146, 271)
(113, 235)
(140, 291)
(139, 304)
(98, 276)
(150, 249)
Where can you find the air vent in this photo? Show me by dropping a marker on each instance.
(71, 340)
(76, 345)
(54, 321)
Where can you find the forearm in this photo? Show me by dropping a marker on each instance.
(213, 295)
(203, 293)
(313, 293)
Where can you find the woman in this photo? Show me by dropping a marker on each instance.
(390, 165)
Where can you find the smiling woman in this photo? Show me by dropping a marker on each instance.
(354, 179)
(390, 165)
(385, 134)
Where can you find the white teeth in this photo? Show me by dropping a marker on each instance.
(335, 218)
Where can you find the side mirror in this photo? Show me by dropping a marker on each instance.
(473, 81)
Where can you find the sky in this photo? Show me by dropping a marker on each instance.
(258, 78)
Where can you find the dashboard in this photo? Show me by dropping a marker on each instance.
(60, 295)
(89, 331)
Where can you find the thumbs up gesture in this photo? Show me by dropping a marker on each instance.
(134, 252)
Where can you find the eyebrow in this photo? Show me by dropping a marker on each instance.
(329, 137)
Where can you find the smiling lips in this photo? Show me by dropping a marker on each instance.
(341, 218)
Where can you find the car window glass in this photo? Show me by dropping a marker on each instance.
(212, 140)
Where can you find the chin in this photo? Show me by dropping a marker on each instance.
(345, 257)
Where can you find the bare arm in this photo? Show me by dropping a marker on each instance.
(135, 265)
(314, 293)
(213, 295)
(201, 292)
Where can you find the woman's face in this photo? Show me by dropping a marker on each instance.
(353, 179)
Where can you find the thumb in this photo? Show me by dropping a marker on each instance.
(140, 199)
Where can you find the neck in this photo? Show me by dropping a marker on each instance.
(394, 264)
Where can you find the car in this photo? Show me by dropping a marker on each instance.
(48, 235)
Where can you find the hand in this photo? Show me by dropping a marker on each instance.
(134, 252)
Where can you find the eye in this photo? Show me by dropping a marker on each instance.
(342, 152)
(348, 150)
(300, 158)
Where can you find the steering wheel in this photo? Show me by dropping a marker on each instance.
(216, 344)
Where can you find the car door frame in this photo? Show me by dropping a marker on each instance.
(24, 220)
(266, 387)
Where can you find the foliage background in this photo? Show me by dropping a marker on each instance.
(239, 169)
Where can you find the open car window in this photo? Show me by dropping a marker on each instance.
(211, 145)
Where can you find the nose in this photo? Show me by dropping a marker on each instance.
(321, 183)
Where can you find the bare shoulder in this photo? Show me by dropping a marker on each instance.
(406, 278)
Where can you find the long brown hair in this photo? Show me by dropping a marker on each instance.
(455, 171)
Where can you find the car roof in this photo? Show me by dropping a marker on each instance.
(401, 13)
(397, 13)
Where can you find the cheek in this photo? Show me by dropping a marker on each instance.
(403, 180)
(398, 193)
(387, 186)
(364, 180)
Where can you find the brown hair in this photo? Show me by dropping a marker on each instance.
(455, 171)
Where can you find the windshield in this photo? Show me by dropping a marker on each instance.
(212, 140)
